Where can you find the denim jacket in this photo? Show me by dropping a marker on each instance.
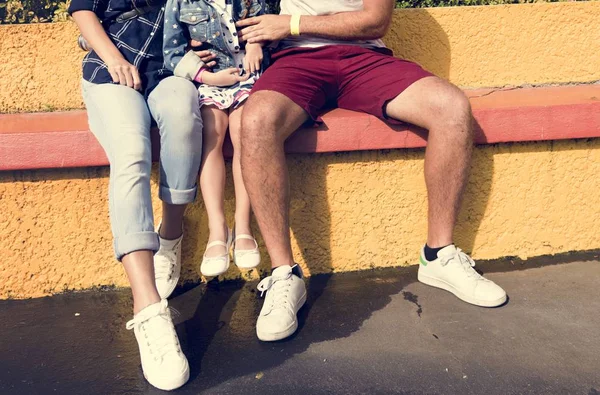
(200, 20)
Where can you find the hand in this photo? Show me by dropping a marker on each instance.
(124, 73)
(253, 58)
(206, 56)
(264, 28)
(225, 77)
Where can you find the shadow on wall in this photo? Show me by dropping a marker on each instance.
(310, 203)
(430, 48)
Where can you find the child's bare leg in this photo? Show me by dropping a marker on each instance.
(212, 175)
(242, 201)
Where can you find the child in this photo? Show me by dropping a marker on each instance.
(222, 88)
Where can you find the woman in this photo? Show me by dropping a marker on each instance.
(124, 87)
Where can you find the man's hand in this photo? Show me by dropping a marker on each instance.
(264, 28)
(206, 56)
(225, 77)
(124, 73)
(253, 58)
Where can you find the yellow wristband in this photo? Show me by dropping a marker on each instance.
(295, 25)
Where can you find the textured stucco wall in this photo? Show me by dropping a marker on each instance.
(472, 46)
(350, 211)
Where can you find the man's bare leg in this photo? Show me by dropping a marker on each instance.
(445, 111)
(269, 119)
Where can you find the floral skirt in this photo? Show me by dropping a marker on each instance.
(228, 96)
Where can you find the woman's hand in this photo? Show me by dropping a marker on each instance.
(253, 58)
(225, 77)
(121, 71)
(124, 73)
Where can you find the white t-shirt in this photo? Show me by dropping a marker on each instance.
(322, 7)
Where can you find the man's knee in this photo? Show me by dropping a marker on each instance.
(259, 122)
(453, 107)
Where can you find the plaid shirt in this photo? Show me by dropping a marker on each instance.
(139, 40)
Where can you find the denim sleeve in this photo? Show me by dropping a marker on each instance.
(175, 43)
(96, 6)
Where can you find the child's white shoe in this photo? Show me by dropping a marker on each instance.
(217, 265)
(246, 259)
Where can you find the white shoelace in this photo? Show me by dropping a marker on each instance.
(278, 289)
(159, 334)
(465, 261)
(164, 262)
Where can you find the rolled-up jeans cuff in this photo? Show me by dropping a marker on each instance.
(136, 242)
(177, 196)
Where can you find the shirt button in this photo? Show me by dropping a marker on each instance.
(217, 34)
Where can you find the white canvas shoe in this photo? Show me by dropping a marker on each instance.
(454, 271)
(167, 266)
(164, 364)
(286, 294)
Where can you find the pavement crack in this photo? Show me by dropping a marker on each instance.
(412, 298)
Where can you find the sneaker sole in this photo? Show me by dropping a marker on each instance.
(272, 337)
(434, 282)
(171, 384)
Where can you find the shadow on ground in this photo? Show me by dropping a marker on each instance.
(376, 332)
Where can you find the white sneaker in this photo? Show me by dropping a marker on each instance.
(286, 293)
(167, 266)
(216, 265)
(163, 362)
(454, 271)
(246, 259)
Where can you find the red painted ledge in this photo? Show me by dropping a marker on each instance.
(63, 140)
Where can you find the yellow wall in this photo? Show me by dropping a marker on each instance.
(472, 46)
(350, 211)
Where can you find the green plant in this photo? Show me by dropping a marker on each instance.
(32, 11)
(40, 11)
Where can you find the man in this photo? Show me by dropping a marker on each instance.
(331, 52)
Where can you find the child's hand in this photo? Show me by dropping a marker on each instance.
(253, 58)
(226, 77)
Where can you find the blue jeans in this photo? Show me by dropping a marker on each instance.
(120, 118)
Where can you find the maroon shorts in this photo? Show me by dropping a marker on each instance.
(344, 76)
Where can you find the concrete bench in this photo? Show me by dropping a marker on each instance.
(63, 139)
